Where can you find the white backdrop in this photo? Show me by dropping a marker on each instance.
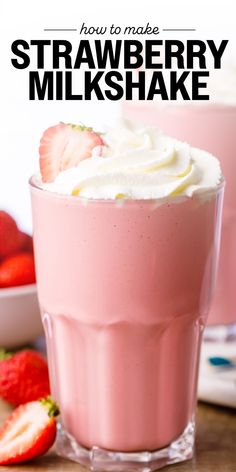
(22, 122)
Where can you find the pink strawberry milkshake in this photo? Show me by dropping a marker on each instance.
(210, 126)
(126, 248)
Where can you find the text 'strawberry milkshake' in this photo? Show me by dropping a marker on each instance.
(126, 234)
(211, 126)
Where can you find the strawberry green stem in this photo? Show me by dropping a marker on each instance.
(50, 405)
(4, 354)
(80, 127)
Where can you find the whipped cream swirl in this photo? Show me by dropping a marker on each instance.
(139, 164)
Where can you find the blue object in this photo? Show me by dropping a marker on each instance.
(220, 362)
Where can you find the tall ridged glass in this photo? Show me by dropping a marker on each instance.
(125, 288)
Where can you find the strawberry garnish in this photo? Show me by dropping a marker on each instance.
(23, 376)
(17, 269)
(9, 235)
(29, 432)
(63, 146)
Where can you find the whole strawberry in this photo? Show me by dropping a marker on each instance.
(10, 240)
(28, 432)
(17, 270)
(26, 242)
(23, 376)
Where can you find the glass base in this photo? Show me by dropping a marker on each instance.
(220, 333)
(144, 461)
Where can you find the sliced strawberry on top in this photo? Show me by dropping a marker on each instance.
(28, 432)
(63, 146)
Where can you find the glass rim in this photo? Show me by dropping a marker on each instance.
(209, 191)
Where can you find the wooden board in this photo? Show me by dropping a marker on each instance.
(215, 449)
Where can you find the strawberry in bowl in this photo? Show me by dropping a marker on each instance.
(20, 321)
(10, 237)
(16, 254)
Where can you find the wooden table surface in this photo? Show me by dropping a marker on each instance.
(215, 448)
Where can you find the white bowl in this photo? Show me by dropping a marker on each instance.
(20, 321)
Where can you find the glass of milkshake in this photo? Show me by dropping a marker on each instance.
(211, 126)
(126, 241)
